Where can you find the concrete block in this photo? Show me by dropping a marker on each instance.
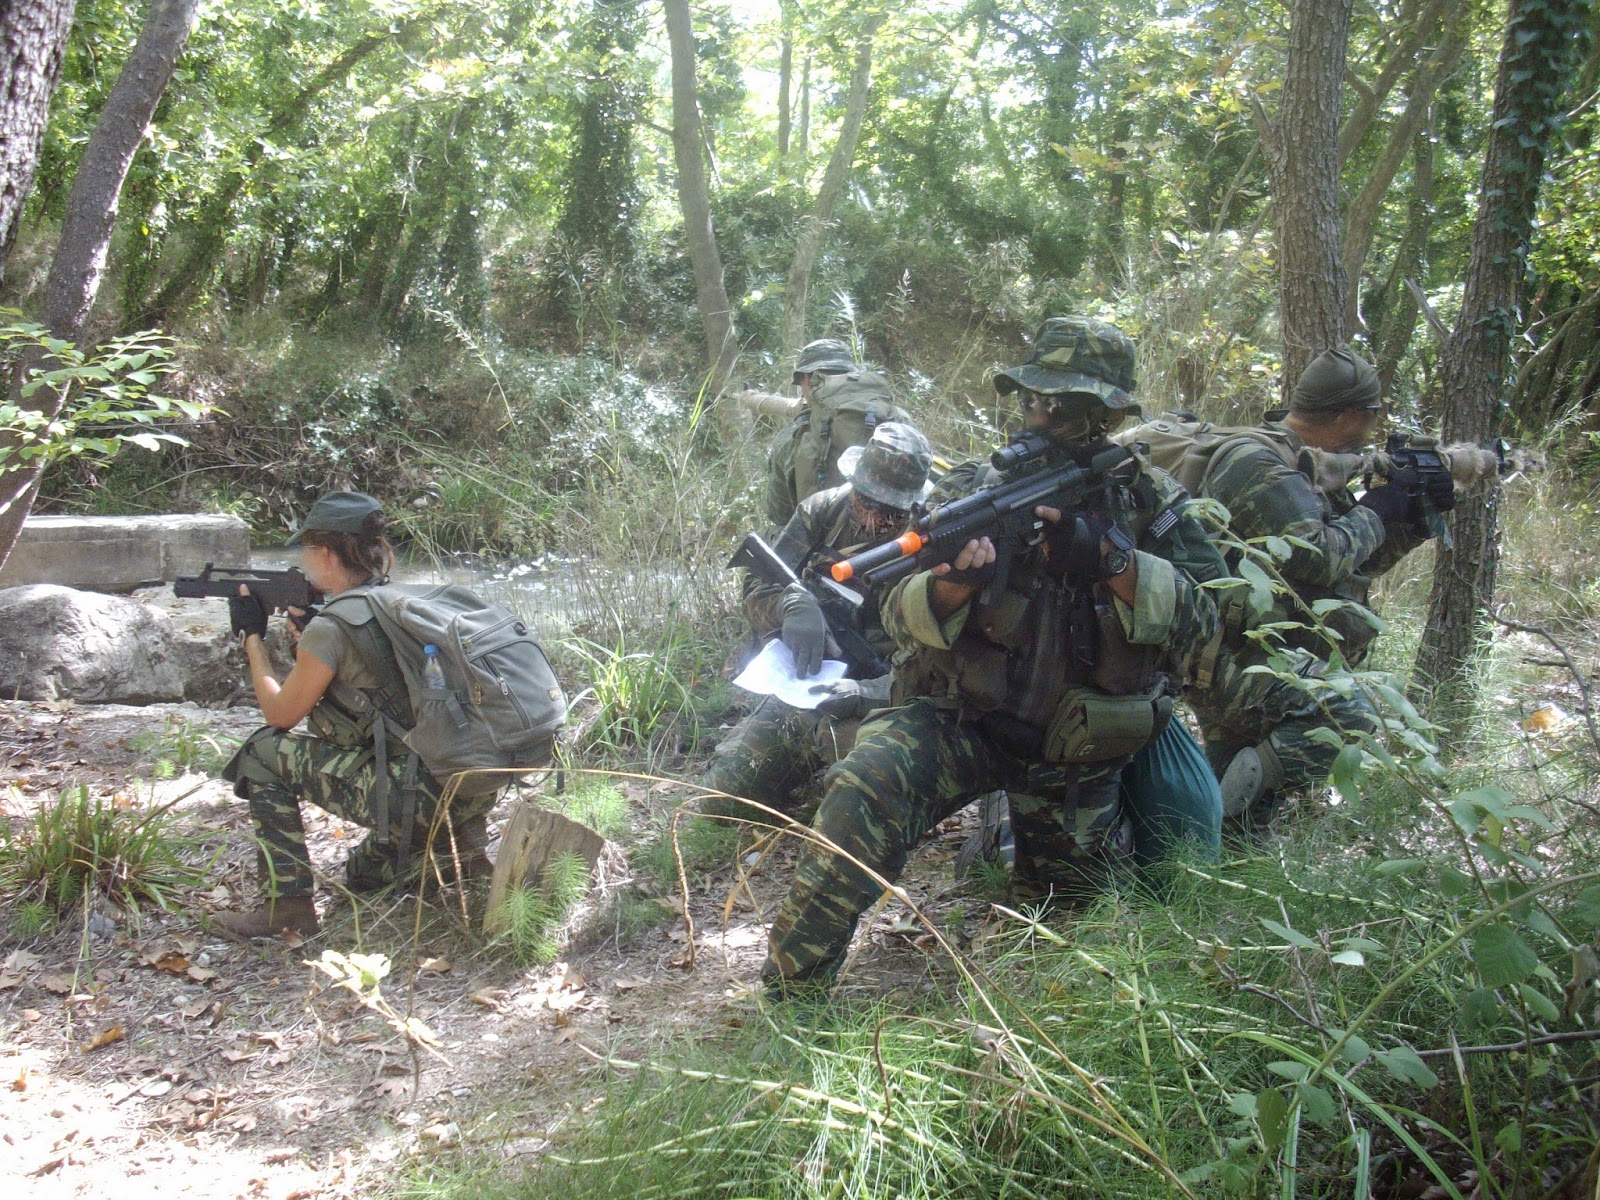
(118, 554)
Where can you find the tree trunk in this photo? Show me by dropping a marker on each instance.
(785, 75)
(804, 136)
(833, 181)
(693, 197)
(1537, 60)
(33, 42)
(1363, 211)
(1304, 162)
(80, 258)
(1421, 28)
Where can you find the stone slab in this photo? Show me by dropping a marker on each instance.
(118, 554)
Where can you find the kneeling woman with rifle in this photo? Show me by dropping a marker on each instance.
(347, 682)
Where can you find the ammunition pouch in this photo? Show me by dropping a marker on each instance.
(1090, 726)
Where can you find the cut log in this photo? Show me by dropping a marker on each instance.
(531, 839)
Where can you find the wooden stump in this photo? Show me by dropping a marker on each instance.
(531, 839)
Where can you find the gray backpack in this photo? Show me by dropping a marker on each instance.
(500, 705)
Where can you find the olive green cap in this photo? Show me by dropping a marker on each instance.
(1076, 354)
(1335, 380)
(892, 468)
(828, 355)
(337, 512)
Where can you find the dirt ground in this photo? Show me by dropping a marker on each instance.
(142, 1056)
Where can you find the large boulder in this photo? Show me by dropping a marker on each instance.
(57, 643)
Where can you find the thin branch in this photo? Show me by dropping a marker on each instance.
(1549, 1039)
(1578, 676)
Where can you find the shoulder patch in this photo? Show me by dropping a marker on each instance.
(1165, 523)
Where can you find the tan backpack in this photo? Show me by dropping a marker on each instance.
(1185, 447)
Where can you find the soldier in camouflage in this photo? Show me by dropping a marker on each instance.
(1260, 731)
(333, 767)
(777, 748)
(1091, 633)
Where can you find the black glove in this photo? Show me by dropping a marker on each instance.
(1442, 491)
(303, 618)
(247, 615)
(805, 631)
(1072, 547)
(1393, 504)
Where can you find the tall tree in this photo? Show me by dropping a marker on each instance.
(33, 42)
(80, 258)
(834, 179)
(1302, 151)
(1544, 41)
(694, 198)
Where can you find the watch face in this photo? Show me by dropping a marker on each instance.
(1115, 563)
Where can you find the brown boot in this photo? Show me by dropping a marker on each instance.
(293, 914)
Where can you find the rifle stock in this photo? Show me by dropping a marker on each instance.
(840, 606)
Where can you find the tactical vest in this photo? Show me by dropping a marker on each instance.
(1046, 646)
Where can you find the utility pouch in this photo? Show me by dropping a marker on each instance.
(1090, 726)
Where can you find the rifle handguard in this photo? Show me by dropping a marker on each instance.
(904, 546)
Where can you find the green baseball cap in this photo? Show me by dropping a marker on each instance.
(1076, 354)
(337, 512)
(892, 468)
(825, 354)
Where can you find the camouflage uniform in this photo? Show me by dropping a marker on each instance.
(335, 768)
(1347, 545)
(976, 691)
(777, 748)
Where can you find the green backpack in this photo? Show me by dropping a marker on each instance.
(1184, 447)
(842, 412)
(500, 705)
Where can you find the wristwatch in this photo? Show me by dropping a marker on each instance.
(1117, 559)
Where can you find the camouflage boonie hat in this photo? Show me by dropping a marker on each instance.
(1076, 354)
(824, 354)
(337, 512)
(892, 468)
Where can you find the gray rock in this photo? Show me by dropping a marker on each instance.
(57, 644)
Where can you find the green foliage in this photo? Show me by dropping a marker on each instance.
(182, 746)
(591, 800)
(77, 848)
(84, 405)
(640, 695)
(530, 919)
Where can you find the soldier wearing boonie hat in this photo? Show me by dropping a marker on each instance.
(777, 749)
(1099, 616)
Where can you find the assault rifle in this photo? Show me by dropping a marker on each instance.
(841, 607)
(277, 590)
(1033, 471)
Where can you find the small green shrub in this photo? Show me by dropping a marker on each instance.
(79, 845)
(531, 918)
(594, 802)
(183, 746)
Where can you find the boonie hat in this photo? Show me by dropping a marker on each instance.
(1076, 354)
(824, 354)
(892, 468)
(337, 512)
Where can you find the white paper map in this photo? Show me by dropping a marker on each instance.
(771, 673)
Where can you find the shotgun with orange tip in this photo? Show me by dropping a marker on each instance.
(1030, 472)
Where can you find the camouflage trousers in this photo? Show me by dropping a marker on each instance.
(772, 754)
(912, 767)
(1243, 708)
(275, 771)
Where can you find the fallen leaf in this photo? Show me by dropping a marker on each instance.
(20, 960)
(201, 974)
(156, 1087)
(435, 966)
(31, 1014)
(195, 1007)
(628, 983)
(104, 1038)
(905, 923)
(171, 961)
(444, 1134)
(9, 981)
(235, 1054)
(488, 997)
(292, 939)
(562, 1020)
(270, 1037)
(58, 982)
(1544, 719)
(573, 978)
(20, 1083)
(244, 1122)
(394, 1087)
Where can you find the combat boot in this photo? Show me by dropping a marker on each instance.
(286, 914)
(1252, 773)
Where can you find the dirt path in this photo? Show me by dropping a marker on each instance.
(147, 1058)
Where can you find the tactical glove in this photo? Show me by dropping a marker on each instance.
(805, 631)
(1072, 547)
(300, 618)
(247, 615)
(852, 699)
(1393, 504)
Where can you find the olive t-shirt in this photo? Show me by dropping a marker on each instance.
(331, 642)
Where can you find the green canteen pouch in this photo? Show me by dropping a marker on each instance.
(1090, 726)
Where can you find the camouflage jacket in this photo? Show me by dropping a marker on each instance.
(1044, 636)
(822, 530)
(1346, 543)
